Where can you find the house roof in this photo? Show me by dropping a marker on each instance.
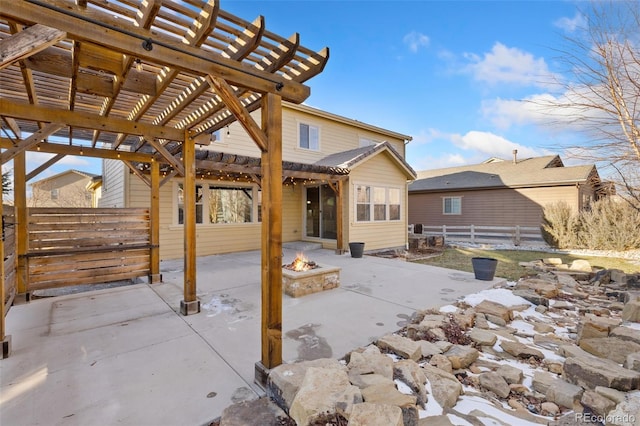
(496, 173)
(354, 157)
(91, 176)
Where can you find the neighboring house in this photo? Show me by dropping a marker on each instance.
(500, 192)
(319, 149)
(67, 189)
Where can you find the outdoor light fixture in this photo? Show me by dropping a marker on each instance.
(138, 63)
(147, 45)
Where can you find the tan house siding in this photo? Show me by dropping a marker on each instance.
(334, 137)
(491, 207)
(113, 184)
(214, 238)
(378, 171)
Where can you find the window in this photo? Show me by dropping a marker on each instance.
(54, 194)
(230, 205)
(199, 205)
(377, 203)
(309, 137)
(363, 203)
(394, 204)
(216, 136)
(217, 204)
(452, 205)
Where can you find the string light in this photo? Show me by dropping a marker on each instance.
(138, 63)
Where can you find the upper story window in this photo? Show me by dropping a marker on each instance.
(54, 194)
(452, 205)
(309, 137)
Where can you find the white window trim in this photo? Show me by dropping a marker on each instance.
(310, 124)
(451, 214)
(372, 203)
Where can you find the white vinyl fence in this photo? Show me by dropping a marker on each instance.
(475, 233)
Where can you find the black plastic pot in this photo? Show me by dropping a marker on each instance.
(484, 268)
(356, 249)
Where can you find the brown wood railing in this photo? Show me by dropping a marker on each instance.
(9, 254)
(71, 246)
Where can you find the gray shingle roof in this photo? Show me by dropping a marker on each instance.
(350, 158)
(548, 170)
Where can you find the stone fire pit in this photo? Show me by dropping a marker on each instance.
(313, 278)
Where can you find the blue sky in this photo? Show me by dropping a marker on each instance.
(451, 74)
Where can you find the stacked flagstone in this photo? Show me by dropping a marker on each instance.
(563, 347)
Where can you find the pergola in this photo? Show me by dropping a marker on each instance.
(144, 82)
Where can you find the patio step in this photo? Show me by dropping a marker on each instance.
(302, 246)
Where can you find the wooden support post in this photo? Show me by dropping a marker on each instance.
(5, 340)
(271, 330)
(154, 213)
(190, 304)
(22, 226)
(340, 248)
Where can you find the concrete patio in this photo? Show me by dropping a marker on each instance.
(126, 356)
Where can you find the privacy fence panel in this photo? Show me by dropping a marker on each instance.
(10, 260)
(70, 246)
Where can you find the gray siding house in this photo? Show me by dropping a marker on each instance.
(500, 192)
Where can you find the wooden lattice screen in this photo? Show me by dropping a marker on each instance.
(10, 262)
(71, 246)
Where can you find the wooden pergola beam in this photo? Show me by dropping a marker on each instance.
(34, 139)
(102, 29)
(28, 42)
(225, 91)
(44, 166)
(87, 120)
(54, 148)
(167, 155)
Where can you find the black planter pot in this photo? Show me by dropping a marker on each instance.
(484, 268)
(356, 249)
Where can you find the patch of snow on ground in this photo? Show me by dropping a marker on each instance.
(499, 295)
(448, 309)
(432, 408)
(523, 327)
(466, 404)
(403, 387)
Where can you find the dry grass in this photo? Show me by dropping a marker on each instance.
(459, 258)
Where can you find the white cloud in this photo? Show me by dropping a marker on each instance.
(570, 25)
(415, 40)
(508, 65)
(471, 148)
(545, 110)
(491, 145)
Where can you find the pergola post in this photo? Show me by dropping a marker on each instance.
(4, 339)
(340, 217)
(154, 213)
(190, 304)
(271, 325)
(22, 226)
